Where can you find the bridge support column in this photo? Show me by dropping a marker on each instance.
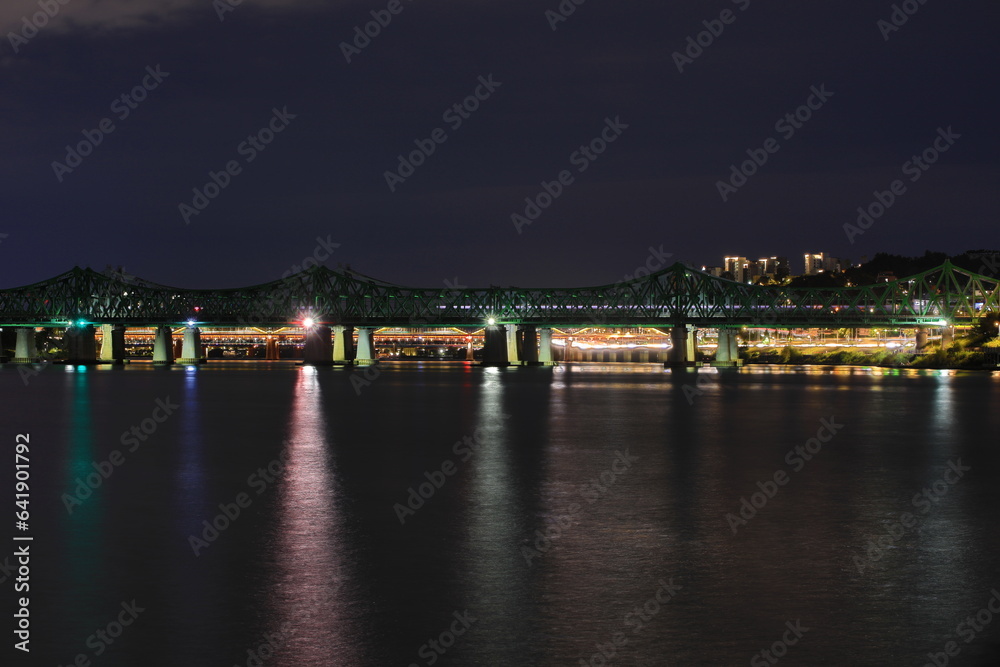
(692, 344)
(545, 347)
(678, 347)
(947, 337)
(113, 343)
(191, 349)
(81, 344)
(25, 351)
(495, 348)
(343, 345)
(513, 351)
(366, 347)
(271, 349)
(163, 347)
(317, 350)
(529, 345)
(469, 355)
(921, 339)
(728, 352)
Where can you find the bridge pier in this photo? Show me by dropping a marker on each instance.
(271, 349)
(25, 351)
(513, 345)
(81, 344)
(163, 348)
(678, 357)
(317, 350)
(469, 354)
(191, 349)
(692, 343)
(921, 339)
(496, 346)
(529, 345)
(366, 347)
(343, 345)
(113, 343)
(545, 347)
(947, 337)
(728, 352)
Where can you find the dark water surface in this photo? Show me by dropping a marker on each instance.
(580, 509)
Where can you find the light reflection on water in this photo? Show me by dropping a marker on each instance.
(321, 551)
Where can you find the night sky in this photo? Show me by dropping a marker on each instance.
(608, 67)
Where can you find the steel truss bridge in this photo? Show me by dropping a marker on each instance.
(677, 295)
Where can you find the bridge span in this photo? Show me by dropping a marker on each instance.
(518, 322)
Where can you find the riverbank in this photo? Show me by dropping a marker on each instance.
(958, 356)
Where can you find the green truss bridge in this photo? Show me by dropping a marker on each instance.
(679, 297)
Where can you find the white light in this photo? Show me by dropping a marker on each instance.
(308, 322)
(491, 321)
(191, 323)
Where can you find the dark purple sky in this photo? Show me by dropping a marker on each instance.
(323, 175)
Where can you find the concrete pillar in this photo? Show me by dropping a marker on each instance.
(191, 348)
(947, 337)
(734, 347)
(921, 339)
(513, 353)
(529, 345)
(678, 342)
(343, 344)
(271, 349)
(545, 347)
(643, 356)
(723, 352)
(366, 347)
(81, 344)
(113, 343)
(317, 348)
(469, 354)
(692, 343)
(163, 348)
(25, 351)
(496, 347)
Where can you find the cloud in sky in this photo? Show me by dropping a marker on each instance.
(104, 15)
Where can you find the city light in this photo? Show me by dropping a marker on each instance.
(491, 321)
(308, 323)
